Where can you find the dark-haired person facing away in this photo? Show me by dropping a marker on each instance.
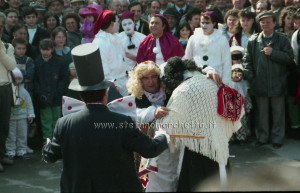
(35, 33)
(98, 158)
(111, 49)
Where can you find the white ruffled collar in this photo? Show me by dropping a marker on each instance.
(108, 36)
(207, 40)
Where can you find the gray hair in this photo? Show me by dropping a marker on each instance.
(110, 2)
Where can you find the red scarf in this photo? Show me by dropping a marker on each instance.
(169, 45)
(230, 103)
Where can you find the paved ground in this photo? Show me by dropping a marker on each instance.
(262, 168)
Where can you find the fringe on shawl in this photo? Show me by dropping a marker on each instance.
(196, 100)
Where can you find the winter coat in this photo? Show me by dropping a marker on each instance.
(267, 75)
(97, 158)
(51, 80)
(26, 65)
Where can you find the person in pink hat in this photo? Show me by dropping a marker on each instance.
(90, 13)
(131, 39)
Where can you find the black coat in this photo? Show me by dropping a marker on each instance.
(98, 158)
(51, 80)
(144, 27)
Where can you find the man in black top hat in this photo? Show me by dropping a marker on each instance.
(97, 145)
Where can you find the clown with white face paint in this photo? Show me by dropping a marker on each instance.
(130, 39)
(209, 49)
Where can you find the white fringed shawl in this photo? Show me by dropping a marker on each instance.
(193, 111)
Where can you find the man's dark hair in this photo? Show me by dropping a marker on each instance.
(21, 41)
(135, 3)
(150, 3)
(92, 96)
(107, 24)
(11, 10)
(29, 11)
(191, 13)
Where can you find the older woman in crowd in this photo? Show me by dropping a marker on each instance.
(71, 22)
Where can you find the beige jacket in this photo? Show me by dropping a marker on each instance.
(7, 63)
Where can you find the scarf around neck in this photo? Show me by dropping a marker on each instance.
(156, 98)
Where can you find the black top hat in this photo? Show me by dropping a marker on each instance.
(88, 64)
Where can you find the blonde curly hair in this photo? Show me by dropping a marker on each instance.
(134, 83)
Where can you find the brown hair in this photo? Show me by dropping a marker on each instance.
(56, 31)
(290, 10)
(245, 13)
(231, 12)
(21, 41)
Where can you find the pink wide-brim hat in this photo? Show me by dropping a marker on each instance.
(92, 9)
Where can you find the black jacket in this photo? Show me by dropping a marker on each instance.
(144, 27)
(51, 80)
(267, 75)
(39, 35)
(100, 158)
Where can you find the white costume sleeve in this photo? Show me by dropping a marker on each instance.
(295, 46)
(189, 49)
(145, 115)
(226, 64)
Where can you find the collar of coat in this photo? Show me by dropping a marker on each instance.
(273, 40)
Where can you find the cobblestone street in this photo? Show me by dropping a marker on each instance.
(253, 168)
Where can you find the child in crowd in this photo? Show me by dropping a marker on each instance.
(241, 85)
(184, 32)
(59, 37)
(22, 111)
(296, 18)
(51, 82)
(35, 33)
(90, 13)
(24, 63)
